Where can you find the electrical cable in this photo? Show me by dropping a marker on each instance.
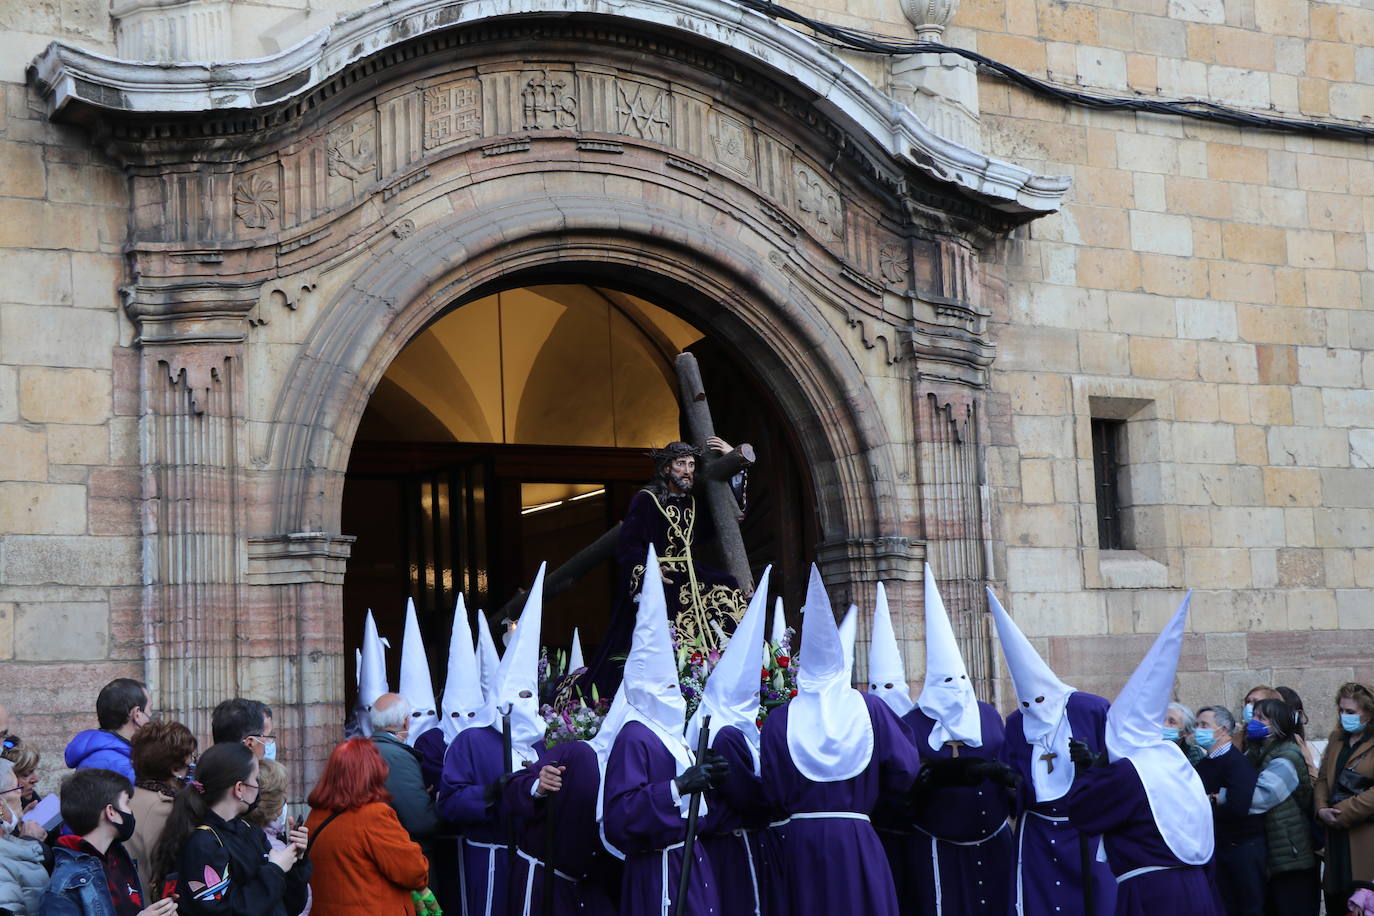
(873, 43)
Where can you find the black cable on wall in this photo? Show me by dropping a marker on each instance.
(859, 40)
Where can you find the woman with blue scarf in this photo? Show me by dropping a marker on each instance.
(1345, 796)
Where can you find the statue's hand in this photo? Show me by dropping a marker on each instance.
(663, 574)
(719, 445)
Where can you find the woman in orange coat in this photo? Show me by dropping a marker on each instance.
(364, 860)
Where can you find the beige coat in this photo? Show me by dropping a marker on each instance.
(1355, 813)
(150, 816)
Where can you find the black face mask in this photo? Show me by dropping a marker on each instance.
(125, 828)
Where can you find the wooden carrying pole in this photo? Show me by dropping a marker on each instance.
(719, 499)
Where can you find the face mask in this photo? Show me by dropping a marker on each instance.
(125, 828)
(1350, 721)
(1170, 734)
(1205, 738)
(1256, 729)
(269, 751)
(1249, 712)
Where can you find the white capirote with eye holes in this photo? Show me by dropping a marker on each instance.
(416, 685)
(517, 679)
(886, 673)
(1043, 700)
(947, 696)
(464, 705)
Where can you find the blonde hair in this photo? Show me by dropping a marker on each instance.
(24, 758)
(271, 793)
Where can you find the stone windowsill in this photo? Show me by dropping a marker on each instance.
(1127, 569)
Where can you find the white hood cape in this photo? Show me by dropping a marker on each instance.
(416, 685)
(886, 673)
(516, 684)
(1177, 798)
(947, 696)
(1043, 700)
(464, 704)
(731, 696)
(829, 731)
(371, 673)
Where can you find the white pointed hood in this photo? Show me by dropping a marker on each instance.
(371, 673)
(416, 685)
(947, 696)
(886, 673)
(849, 635)
(779, 624)
(731, 696)
(517, 679)
(1043, 700)
(1177, 798)
(651, 674)
(487, 658)
(575, 659)
(829, 731)
(464, 705)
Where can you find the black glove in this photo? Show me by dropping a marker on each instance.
(1083, 757)
(997, 772)
(709, 774)
(492, 795)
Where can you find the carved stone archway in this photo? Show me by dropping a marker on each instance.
(297, 221)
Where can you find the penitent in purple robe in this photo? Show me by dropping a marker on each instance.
(1049, 874)
(432, 748)
(583, 869)
(733, 844)
(642, 821)
(1111, 801)
(961, 854)
(832, 860)
(475, 759)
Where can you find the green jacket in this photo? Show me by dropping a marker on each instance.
(1288, 825)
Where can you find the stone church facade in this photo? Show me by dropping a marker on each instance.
(952, 288)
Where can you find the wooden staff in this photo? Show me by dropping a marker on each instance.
(693, 809)
(550, 838)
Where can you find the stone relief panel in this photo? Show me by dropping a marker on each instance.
(732, 143)
(643, 111)
(548, 101)
(452, 113)
(399, 129)
(257, 199)
(818, 203)
(352, 151)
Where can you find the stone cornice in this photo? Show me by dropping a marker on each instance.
(78, 83)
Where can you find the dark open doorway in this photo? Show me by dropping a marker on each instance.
(512, 431)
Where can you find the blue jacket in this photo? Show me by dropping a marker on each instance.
(95, 748)
(78, 886)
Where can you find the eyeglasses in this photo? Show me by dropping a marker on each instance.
(19, 788)
(265, 739)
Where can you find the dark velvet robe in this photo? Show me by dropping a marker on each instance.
(961, 854)
(475, 759)
(833, 865)
(644, 823)
(734, 843)
(1049, 876)
(586, 876)
(1111, 801)
(676, 530)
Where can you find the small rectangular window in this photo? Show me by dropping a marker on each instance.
(1109, 443)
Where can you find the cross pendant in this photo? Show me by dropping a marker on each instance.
(1049, 758)
(954, 747)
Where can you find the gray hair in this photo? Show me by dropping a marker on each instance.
(1222, 716)
(7, 769)
(1189, 720)
(391, 715)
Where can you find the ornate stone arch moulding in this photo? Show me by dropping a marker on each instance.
(80, 84)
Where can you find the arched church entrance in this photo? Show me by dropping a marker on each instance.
(512, 431)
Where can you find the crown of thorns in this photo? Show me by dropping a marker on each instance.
(673, 451)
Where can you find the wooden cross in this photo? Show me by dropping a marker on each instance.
(1049, 758)
(954, 747)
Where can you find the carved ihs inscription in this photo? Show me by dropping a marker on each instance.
(818, 201)
(548, 103)
(353, 149)
(453, 112)
(642, 110)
